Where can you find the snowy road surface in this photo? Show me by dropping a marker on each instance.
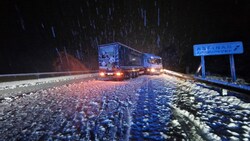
(145, 108)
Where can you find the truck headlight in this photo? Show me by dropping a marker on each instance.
(102, 74)
(152, 70)
(119, 73)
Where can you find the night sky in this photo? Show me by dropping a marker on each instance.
(33, 33)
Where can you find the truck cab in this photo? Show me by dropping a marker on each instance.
(152, 64)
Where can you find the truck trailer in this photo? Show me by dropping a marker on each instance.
(118, 61)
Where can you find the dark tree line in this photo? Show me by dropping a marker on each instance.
(35, 31)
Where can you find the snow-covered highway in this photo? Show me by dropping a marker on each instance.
(157, 107)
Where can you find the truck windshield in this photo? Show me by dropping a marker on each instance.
(154, 61)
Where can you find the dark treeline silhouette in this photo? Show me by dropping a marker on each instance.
(33, 32)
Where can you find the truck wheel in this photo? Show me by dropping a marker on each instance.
(131, 75)
(127, 75)
(120, 79)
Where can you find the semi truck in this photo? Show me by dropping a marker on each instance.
(119, 61)
(152, 64)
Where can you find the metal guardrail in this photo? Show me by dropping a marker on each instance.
(227, 85)
(23, 76)
(48, 73)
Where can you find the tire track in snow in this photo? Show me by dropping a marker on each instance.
(152, 114)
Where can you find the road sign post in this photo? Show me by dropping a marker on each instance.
(227, 48)
(203, 69)
(232, 67)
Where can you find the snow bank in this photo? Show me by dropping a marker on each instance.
(217, 115)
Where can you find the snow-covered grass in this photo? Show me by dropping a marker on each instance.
(218, 115)
(243, 86)
(226, 81)
(239, 81)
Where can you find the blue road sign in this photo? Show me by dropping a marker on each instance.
(218, 48)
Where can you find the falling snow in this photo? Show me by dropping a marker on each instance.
(157, 27)
(145, 18)
(53, 32)
(158, 21)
